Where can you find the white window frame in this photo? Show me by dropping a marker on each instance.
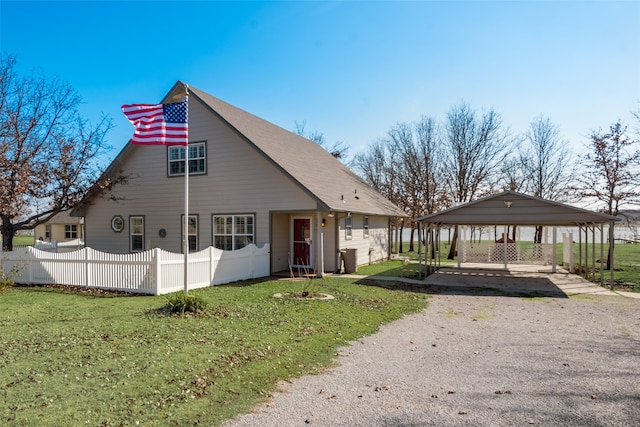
(135, 232)
(193, 233)
(232, 231)
(365, 227)
(348, 227)
(197, 159)
(71, 231)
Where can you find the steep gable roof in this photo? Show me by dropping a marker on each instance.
(512, 208)
(331, 183)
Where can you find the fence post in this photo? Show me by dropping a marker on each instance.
(211, 265)
(30, 257)
(87, 266)
(158, 272)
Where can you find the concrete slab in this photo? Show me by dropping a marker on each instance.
(516, 280)
(635, 295)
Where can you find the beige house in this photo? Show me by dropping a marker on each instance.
(250, 181)
(61, 228)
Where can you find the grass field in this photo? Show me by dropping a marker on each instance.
(23, 240)
(112, 360)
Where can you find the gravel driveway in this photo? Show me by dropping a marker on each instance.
(476, 359)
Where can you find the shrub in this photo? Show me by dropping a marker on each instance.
(189, 302)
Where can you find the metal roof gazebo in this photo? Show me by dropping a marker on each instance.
(510, 208)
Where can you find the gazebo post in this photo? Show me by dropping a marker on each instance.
(420, 249)
(554, 237)
(611, 282)
(458, 244)
(593, 251)
(580, 249)
(601, 254)
(438, 241)
(505, 239)
(586, 252)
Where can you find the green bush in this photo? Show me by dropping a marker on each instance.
(186, 302)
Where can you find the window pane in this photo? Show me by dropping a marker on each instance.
(240, 225)
(136, 229)
(176, 168)
(176, 153)
(223, 224)
(136, 243)
(224, 243)
(242, 241)
(193, 224)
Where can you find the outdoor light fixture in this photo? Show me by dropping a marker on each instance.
(507, 203)
(324, 222)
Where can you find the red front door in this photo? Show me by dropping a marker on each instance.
(301, 252)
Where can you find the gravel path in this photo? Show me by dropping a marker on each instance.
(477, 360)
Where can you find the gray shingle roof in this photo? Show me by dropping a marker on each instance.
(512, 208)
(325, 178)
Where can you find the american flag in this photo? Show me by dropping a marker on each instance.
(159, 124)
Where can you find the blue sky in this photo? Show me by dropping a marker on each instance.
(349, 69)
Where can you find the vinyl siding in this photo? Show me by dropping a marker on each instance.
(280, 242)
(238, 180)
(376, 244)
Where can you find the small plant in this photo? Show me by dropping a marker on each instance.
(190, 302)
(7, 280)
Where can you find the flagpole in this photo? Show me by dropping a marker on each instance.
(185, 233)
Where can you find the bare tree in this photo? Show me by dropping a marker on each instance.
(545, 159)
(416, 147)
(47, 151)
(511, 175)
(338, 149)
(373, 166)
(379, 168)
(475, 148)
(430, 171)
(610, 171)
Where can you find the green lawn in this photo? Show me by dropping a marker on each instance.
(112, 360)
(23, 240)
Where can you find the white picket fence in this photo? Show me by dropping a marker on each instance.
(153, 272)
